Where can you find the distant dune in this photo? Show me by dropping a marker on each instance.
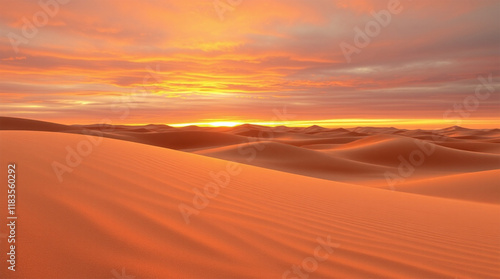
(11, 123)
(188, 139)
(381, 150)
(297, 160)
(94, 200)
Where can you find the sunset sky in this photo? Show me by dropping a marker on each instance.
(240, 61)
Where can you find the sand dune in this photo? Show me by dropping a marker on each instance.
(188, 139)
(387, 149)
(306, 142)
(477, 186)
(149, 134)
(12, 123)
(120, 209)
(376, 130)
(297, 160)
(475, 146)
(461, 132)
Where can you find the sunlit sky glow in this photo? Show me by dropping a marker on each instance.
(180, 63)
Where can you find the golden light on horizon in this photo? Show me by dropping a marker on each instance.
(208, 124)
(352, 123)
(225, 123)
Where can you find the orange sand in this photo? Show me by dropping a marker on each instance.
(118, 209)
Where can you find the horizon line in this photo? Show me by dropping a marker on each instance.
(324, 123)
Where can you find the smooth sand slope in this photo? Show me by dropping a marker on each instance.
(118, 210)
(188, 140)
(477, 186)
(297, 160)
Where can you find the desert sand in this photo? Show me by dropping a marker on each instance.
(252, 202)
